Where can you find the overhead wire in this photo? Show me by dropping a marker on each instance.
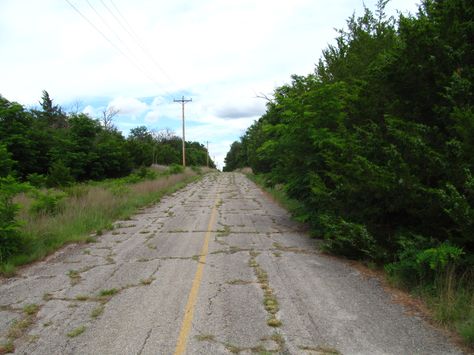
(134, 35)
(131, 60)
(104, 21)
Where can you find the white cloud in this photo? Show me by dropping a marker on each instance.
(152, 116)
(89, 110)
(128, 106)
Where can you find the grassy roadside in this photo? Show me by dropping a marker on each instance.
(74, 213)
(291, 205)
(450, 299)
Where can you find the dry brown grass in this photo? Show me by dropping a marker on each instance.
(162, 183)
(87, 209)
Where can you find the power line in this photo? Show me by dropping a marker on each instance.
(113, 44)
(134, 35)
(109, 27)
(104, 21)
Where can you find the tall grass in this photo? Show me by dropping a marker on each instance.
(452, 300)
(87, 209)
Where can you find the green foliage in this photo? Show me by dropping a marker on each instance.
(59, 175)
(234, 159)
(437, 259)
(146, 174)
(48, 202)
(406, 271)
(75, 147)
(10, 237)
(419, 264)
(37, 180)
(372, 156)
(6, 162)
(466, 329)
(196, 169)
(350, 239)
(175, 169)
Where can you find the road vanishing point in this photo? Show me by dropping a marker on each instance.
(215, 268)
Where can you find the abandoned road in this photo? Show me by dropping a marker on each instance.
(215, 268)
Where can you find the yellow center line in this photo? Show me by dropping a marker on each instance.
(189, 310)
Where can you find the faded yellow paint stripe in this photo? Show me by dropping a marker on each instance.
(193, 294)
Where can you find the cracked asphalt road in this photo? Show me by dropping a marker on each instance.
(217, 267)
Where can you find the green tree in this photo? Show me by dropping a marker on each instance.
(6, 162)
(141, 146)
(10, 237)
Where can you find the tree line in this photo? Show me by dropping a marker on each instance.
(378, 142)
(47, 146)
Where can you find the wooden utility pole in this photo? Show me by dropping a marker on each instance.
(183, 102)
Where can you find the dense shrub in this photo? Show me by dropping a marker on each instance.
(377, 142)
(10, 237)
(48, 202)
(175, 169)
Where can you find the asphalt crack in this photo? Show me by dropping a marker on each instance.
(145, 341)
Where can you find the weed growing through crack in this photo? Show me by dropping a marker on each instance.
(82, 297)
(108, 292)
(7, 347)
(19, 326)
(147, 281)
(77, 331)
(74, 277)
(239, 282)
(232, 348)
(269, 300)
(224, 232)
(323, 350)
(150, 236)
(205, 337)
(97, 311)
(273, 322)
(31, 309)
(152, 247)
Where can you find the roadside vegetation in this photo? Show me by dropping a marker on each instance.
(376, 146)
(42, 220)
(64, 176)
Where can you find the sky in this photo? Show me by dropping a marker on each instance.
(139, 56)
